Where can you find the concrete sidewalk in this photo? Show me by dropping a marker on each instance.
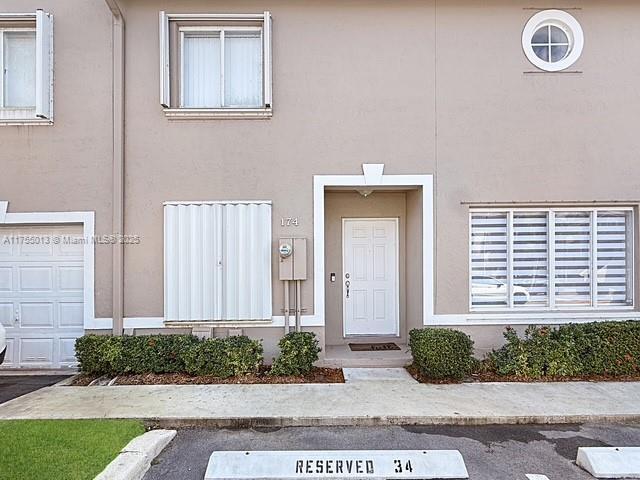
(360, 403)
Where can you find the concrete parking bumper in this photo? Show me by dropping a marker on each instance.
(134, 459)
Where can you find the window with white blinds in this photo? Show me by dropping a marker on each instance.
(26, 66)
(216, 65)
(221, 67)
(217, 261)
(551, 258)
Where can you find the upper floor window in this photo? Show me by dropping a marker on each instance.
(26, 62)
(215, 65)
(551, 258)
(552, 40)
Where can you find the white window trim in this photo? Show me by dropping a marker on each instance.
(423, 181)
(44, 73)
(552, 308)
(182, 113)
(563, 20)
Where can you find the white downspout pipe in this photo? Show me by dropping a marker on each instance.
(118, 93)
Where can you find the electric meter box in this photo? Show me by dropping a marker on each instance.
(292, 254)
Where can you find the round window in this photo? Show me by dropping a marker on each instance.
(552, 40)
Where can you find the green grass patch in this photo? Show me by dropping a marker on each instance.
(61, 449)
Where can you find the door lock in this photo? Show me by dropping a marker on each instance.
(347, 284)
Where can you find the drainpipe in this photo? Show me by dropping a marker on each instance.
(118, 163)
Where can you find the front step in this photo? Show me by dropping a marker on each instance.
(341, 356)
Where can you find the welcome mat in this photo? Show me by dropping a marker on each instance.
(373, 347)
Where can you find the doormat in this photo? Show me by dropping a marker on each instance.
(373, 347)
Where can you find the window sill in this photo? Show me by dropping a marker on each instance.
(25, 121)
(217, 113)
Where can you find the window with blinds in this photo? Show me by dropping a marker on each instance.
(215, 65)
(217, 261)
(551, 258)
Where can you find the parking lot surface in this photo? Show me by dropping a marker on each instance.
(13, 386)
(490, 452)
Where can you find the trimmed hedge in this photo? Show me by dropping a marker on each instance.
(298, 352)
(223, 357)
(441, 353)
(598, 348)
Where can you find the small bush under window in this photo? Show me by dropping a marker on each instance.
(440, 353)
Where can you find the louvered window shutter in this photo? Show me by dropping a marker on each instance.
(218, 261)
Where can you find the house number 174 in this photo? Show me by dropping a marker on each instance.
(289, 222)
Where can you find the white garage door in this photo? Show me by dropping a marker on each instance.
(41, 295)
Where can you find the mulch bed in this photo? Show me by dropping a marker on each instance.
(317, 375)
(492, 377)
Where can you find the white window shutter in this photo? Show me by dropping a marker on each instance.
(44, 64)
(266, 38)
(218, 261)
(165, 77)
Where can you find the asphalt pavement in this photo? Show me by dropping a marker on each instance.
(507, 452)
(13, 386)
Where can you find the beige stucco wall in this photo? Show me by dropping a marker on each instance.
(466, 108)
(67, 166)
(440, 90)
(333, 110)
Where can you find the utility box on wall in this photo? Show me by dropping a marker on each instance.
(293, 258)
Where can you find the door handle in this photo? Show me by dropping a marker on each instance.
(347, 284)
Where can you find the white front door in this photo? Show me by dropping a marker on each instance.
(41, 295)
(370, 276)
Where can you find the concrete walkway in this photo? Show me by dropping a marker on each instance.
(358, 403)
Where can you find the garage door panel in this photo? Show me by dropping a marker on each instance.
(66, 249)
(36, 279)
(42, 283)
(70, 314)
(36, 249)
(6, 279)
(6, 314)
(71, 279)
(36, 352)
(36, 314)
(6, 246)
(10, 356)
(67, 351)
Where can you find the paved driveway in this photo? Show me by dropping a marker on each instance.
(490, 452)
(12, 386)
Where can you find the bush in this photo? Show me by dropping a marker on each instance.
(607, 348)
(89, 354)
(441, 353)
(154, 353)
(298, 352)
(111, 355)
(224, 357)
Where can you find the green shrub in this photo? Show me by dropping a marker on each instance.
(155, 353)
(441, 353)
(89, 355)
(298, 352)
(599, 348)
(224, 357)
(130, 354)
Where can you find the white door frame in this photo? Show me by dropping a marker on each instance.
(397, 279)
(320, 182)
(87, 220)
